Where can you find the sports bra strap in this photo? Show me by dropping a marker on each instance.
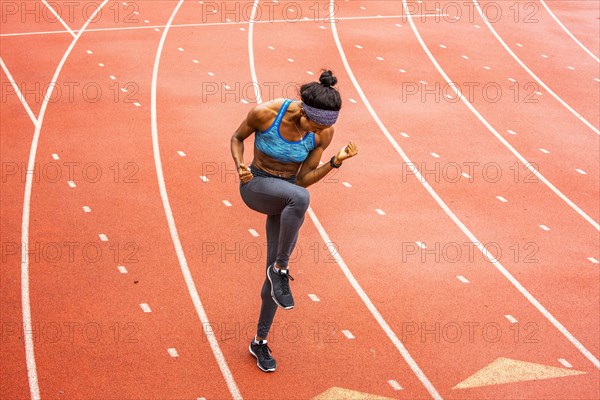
(281, 112)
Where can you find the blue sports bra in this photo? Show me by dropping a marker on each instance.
(275, 146)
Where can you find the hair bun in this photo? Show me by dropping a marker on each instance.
(327, 78)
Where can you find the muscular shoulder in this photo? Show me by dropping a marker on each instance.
(262, 115)
(324, 138)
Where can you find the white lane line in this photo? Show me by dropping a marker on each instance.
(582, 172)
(348, 185)
(122, 269)
(71, 184)
(348, 334)
(55, 156)
(512, 319)
(18, 93)
(87, 209)
(313, 297)
(145, 307)
(227, 203)
(395, 385)
(103, 237)
(565, 363)
(530, 72)
(544, 227)
(568, 32)
(53, 11)
(472, 108)
(593, 260)
(253, 232)
(421, 245)
(204, 178)
(462, 279)
(266, 21)
(445, 207)
(185, 270)
(173, 352)
(380, 211)
(181, 153)
(502, 199)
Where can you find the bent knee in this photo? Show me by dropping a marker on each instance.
(302, 199)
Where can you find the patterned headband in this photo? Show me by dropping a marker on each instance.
(323, 117)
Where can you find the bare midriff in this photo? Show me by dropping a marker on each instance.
(273, 166)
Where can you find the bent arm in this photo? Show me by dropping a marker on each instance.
(246, 128)
(310, 172)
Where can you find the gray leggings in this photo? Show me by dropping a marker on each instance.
(285, 204)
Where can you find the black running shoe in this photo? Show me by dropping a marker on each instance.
(262, 352)
(280, 287)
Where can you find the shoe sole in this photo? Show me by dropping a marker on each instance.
(273, 293)
(257, 364)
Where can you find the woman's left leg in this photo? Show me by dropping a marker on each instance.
(269, 307)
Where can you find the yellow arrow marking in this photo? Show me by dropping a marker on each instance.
(505, 370)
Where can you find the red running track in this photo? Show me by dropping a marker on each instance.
(139, 292)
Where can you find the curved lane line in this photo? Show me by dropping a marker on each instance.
(449, 212)
(347, 273)
(568, 32)
(502, 140)
(530, 72)
(27, 326)
(189, 281)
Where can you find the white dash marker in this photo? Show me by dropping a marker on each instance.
(72, 184)
(352, 101)
(195, 61)
(290, 59)
(511, 132)
(380, 211)
(519, 44)
(565, 363)
(544, 151)
(502, 199)
(571, 68)
(145, 307)
(87, 209)
(363, 8)
(204, 178)
(271, 48)
(137, 104)
(466, 175)
(402, 70)
(227, 87)
(55, 156)
(465, 57)
(582, 172)
(593, 260)
(597, 80)
(243, 29)
(538, 93)
(100, 64)
(310, 72)
(512, 319)
(435, 155)
(103, 237)
(512, 80)
(227, 203)
(544, 56)
(253, 232)
(462, 279)
(380, 58)
(172, 352)
(322, 27)
(146, 21)
(443, 46)
(477, 26)
(486, 67)
(313, 297)
(404, 134)
(348, 334)
(347, 184)
(181, 153)
(211, 74)
(395, 385)
(423, 82)
(399, 25)
(544, 227)
(180, 48)
(157, 30)
(123, 90)
(89, 52)
(113, 77)
(421, 245)
(244, 101)
(122, 269)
